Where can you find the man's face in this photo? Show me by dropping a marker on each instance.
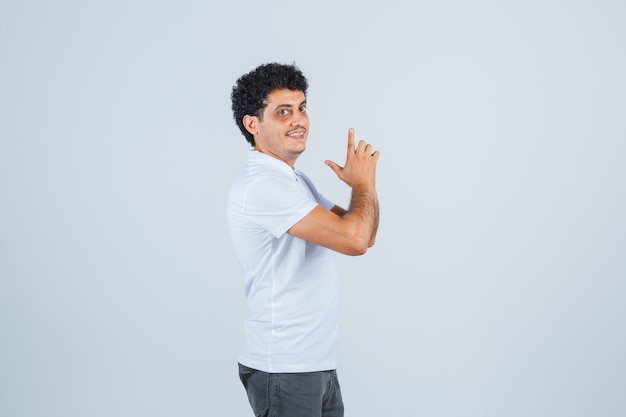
(284, 128)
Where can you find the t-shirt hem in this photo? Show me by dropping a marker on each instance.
(290, 368)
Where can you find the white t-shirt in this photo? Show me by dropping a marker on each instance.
(291, 285)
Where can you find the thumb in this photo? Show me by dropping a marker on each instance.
(336, 168)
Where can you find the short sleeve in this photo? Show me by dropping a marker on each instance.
(276, 204)
(321, 200)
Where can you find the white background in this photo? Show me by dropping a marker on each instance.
(497, 284)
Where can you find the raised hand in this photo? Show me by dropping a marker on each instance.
(349, 231)
(360, 167)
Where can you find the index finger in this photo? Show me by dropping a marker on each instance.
(350, 140)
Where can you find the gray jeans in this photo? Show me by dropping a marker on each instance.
(307, 394)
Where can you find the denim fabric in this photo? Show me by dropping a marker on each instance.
(307, 394)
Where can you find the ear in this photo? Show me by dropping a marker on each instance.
(251, 123)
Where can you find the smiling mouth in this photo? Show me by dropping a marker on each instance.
(299, 134)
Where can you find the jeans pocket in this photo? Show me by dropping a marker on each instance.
(245, 374)
(256, 384)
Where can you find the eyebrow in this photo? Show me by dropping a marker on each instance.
(280, 106)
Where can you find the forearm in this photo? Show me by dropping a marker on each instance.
(375, 226)
(360, 222)
(363, 214)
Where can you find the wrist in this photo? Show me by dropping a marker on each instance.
(364, 187)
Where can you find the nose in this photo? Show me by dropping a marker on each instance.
(298, 118)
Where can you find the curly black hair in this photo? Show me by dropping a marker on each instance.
(251, 90)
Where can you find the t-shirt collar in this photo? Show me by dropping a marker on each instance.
(275, 162)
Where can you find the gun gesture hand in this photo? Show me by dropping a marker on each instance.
(360, 167)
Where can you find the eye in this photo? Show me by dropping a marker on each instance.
(303, 109)
(283, 112)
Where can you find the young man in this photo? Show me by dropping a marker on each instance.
(284, 233)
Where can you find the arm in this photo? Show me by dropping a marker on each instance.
(349, 232)
(375, 228)
(340, 211)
